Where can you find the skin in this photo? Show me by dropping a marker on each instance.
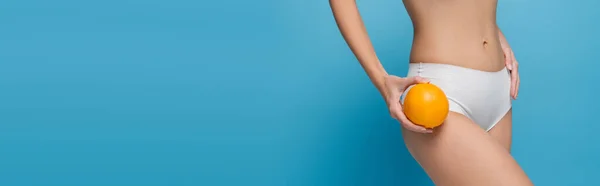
(457, 32)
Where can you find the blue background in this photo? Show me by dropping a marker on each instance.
(146, 92)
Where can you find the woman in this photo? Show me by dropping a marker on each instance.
(457, 46)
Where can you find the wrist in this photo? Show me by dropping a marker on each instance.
(382, 86)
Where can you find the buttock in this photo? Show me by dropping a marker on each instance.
(483, 97)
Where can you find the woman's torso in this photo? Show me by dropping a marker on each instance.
(456, 32)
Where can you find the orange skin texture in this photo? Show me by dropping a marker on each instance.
(426, 105)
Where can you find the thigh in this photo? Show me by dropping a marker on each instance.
(461, 153)
(502, 132)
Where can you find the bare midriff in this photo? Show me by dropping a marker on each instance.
(456, 32)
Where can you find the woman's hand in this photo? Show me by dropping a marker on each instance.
(353, 30)
(513, 65)
(395, 86)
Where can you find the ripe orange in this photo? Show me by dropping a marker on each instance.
(426, 104)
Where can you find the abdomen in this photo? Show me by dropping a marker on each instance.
(457, 32)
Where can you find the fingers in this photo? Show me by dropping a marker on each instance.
(515, 75)
(394, 103)
(397, 113)
(406, 123)
(518, 82)
(414, 80)
(396, 88)
(419, 79)
(411, 126)
(513, 85)
(508, 58)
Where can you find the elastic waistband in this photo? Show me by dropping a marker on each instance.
(422, 66)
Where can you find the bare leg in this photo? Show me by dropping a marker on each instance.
(502, 132)
(460, 153)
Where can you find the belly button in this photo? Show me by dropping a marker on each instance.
(485, 43)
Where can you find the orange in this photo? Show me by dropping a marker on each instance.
(426, 104)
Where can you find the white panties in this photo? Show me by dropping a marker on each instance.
(483, 97)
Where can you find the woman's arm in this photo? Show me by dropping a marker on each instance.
(511, 63)
(353, 30)
(503, 41)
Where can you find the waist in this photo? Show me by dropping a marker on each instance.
(474, 49)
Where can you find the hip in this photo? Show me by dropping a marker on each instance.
(482, 96)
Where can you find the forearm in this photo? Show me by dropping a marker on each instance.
(352, 28)
(503, 41)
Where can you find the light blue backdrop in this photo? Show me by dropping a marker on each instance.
(147, 92)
